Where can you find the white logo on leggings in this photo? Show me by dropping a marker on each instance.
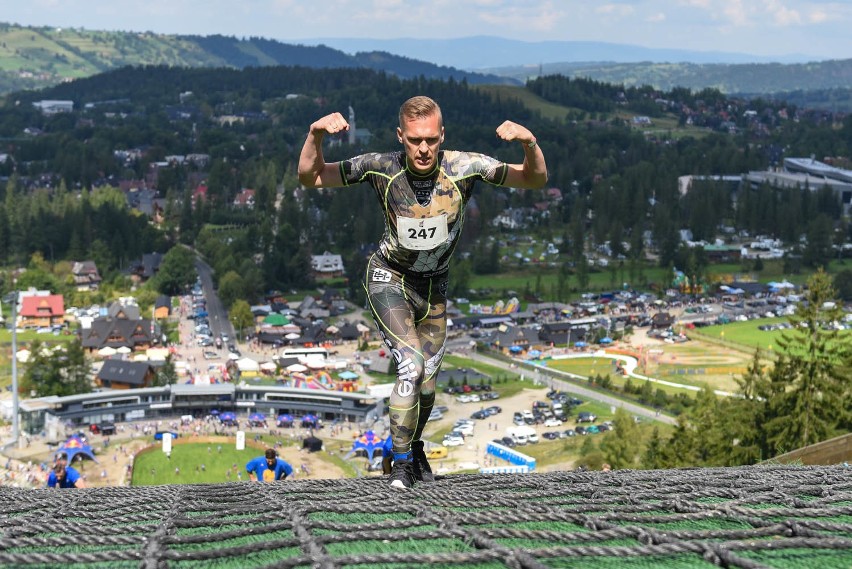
(433, 363)
(405, 374)
(381, 276)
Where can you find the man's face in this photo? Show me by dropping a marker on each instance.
(422, 139)
(270, 463)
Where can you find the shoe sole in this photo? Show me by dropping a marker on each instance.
(399, 484)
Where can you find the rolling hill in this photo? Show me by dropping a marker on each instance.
(37, 57)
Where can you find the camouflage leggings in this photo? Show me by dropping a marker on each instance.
(411, 314)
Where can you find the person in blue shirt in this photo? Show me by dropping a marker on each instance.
(65, 477)
(387, 455)
(268, 468)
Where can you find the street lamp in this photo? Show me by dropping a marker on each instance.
(12, 299)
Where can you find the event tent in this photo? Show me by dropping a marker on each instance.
(369, 442)
(76, 445)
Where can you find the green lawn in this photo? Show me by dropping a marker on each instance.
(152, 467)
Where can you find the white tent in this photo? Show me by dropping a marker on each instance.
(157, 354)
(140, 358)
(123, 350)
(296, 368)
(291, 336)
(107, 351)
(247, 364)
(268, 366)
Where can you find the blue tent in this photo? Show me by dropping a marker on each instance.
(580, 344)
(515, 349)
(227, 416)
(369, 443)
(257, 418)
(76, 445)
(348, 375)
(284, 419)
(310, 420)
(606, 340)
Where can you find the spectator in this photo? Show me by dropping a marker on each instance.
(268, 468)
(64, 477)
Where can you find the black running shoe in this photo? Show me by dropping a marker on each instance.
(422, 471)
(402, 474)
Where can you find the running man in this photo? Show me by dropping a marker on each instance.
(423, 191)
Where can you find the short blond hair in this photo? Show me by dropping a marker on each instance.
(417, 108)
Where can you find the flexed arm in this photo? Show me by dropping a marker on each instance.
(532, 173)
(313, 170)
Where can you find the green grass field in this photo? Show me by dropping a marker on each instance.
(152, 467)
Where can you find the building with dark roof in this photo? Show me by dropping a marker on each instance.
(121, 374)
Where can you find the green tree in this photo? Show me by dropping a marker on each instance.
(621, 446)
(241, 317)
(652, 458)
(809, 393)
(56, 372)
(843, 284)
(177, 271)
(231, 288)
(167, 374)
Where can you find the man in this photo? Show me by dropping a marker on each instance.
(64, 477)
(268, 468)
(423, 191)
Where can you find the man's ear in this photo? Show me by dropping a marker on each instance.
(442, 134)
(399, 134)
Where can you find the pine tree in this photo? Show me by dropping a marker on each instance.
(810, 394)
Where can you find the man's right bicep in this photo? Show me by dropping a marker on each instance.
(329, 176)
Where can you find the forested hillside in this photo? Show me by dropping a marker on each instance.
(823, 84)
(617, 182)
(32, 58)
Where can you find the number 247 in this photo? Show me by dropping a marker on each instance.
(423, 233)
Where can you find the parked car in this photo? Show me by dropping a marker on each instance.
(550, 435)
(586, 417)
(453, 441)
(553, 422)
(592, 430)
(569, 433)
(507, 441)
(533, 438)
(437, 452)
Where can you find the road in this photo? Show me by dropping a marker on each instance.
(550, 377)
(218, 316)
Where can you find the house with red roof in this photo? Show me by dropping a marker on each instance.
(42, 311)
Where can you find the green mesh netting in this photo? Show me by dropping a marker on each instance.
(773, 517)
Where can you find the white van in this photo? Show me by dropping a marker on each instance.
(520, 439)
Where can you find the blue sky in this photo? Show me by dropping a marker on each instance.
(761, 27)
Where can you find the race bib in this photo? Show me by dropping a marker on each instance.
(422, 234)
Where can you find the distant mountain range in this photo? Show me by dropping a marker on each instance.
(487, 52)
(36, 57)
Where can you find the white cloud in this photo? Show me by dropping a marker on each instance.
(781, 14)
(620, 10)
(656, 18)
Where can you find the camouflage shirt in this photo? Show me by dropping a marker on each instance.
(424, 214)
